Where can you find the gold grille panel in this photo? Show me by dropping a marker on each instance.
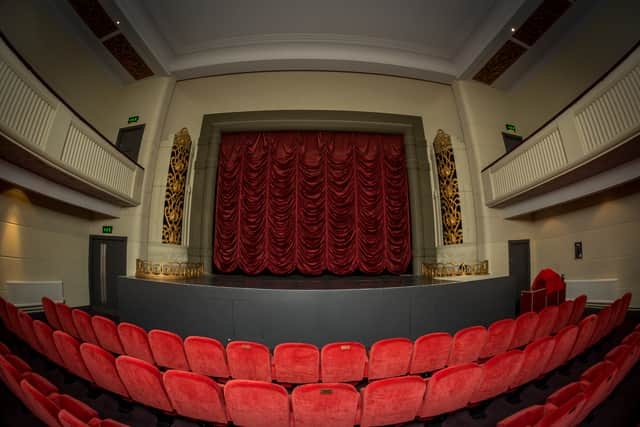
(176, 184)
(449, 192)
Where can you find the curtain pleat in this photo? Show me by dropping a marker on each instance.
(312, 202)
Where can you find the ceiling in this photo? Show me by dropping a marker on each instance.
(436, 40)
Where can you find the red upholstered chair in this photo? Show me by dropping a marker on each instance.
(527, 417)
(47, 408)
(296, 363)
(565, 411)
(66, 319)
(586, 328)
(107, 334)
(633, 339)
(135, 342)
(249, 361)
(525, 329)
(600, 378)
(601, 325)
(82, 320)
(499, 336)
(144, 383)
(78, 409)
(626, 301)
(50, 313)
(467, 345)
(498, 374)
(536, 356)
(565, 339)
(257, 403)
(343, 362)
(26, 324)
(206, 356)
(389, 358)
(14, 322)
(430, 352)
(578, 309)
(4, 349)
(13, 370)
(102, 366)
(546, 321)
(391, 400)
(564, 313)
(450, 389)
(329, 404)
(3, 311)
(69, 349)
(67, 419)
(195, 396)
(44, 334)
(624, 357)
(168, 350)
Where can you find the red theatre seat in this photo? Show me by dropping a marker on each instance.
(249, 361)
(195, 396)
(546, 321)
(601, 325)
(78, 409)
(389, 358)
(4, 349)
(26, 324)
(498, 374)
(586, 328)
(600, 378)
(430, 352)
(330, 404)
(624, 357)
(66, 319)
(296, 363)
(11, 374)
(143, 381)
(564, 413)
(50, 313)
(102, 366)
(391, 400)
(579, 304)
(467, 345)
(67, 419)
(565, 340)
(47, 408)
(536, 356)
(622, 314)
(450, 389)
(206, 356)
(107, 334)
(135, 342)
(44, 334)
(168, 350)
(343, 362)
(82, 320)
(69, 349)
(257, 403)
(13, 320)
(525, 329)
(500, 335)
(3, 311)
(564, 313)
(527, 417)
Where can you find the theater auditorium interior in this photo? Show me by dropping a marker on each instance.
(319, 213)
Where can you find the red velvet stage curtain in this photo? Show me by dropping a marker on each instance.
(312, 202)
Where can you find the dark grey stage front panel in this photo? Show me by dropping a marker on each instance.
(272, 316)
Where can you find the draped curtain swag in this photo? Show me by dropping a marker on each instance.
(312, 202)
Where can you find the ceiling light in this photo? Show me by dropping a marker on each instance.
(513, 29)
(117, 22)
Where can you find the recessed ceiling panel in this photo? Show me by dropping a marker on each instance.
(122, 50)
(499, 62)
(94, 16)
(541, 20)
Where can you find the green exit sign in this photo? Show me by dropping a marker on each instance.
(107, 229)
(510, 127)
(133, 119)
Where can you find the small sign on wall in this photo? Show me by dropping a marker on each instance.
(107, 229)
(133, 119)
(577, 250)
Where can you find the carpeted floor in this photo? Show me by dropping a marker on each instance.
(620, 409)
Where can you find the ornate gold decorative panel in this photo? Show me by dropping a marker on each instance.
(449, 194)
(168, 270)
(176, 184)
(455, 269)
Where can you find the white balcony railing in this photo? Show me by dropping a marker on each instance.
(36, 121)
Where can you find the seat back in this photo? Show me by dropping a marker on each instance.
(467, 345)
(622, 314)
(66, 319)
(69, 349)
(499, 336)
(44, 409)
(195, 396)
(168, 350)
(249, 361)
(498, 374)
(107, 334)
(296, 363)
(546, 321)
(13, 320)
(44, 334)
(144, 383)
(564, 342)
(391, 400)
(389, 358)
(206, 356)
(586, 328)
(536, 356)
(526, 417)
(343, 362)
(329, 404)
(135, 342)
(566, 414)
(3, 312)
(50, 313)
(579, 304)
(26, 324)
(624, 357)
(11, 376)
(601, 325)
(82, 320)
(600, 378)
(102, 366)
(525, 329)
(450, 389)
(257, 403)
(4, 349)
(564, 314)
(78, 409)
(430, 352)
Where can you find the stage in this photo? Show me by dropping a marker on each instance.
(317, 310)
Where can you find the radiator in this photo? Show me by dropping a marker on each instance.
(27, 295)
(599, 291)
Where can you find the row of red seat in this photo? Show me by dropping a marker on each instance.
(43, 398)
(571, 404)
(382, 402)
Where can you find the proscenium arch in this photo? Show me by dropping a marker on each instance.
(206, 164)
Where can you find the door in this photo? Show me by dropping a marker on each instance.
(520, 263)
(129, 140)
(107, 261)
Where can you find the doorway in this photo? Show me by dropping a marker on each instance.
(520, 263)
(107, 261)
